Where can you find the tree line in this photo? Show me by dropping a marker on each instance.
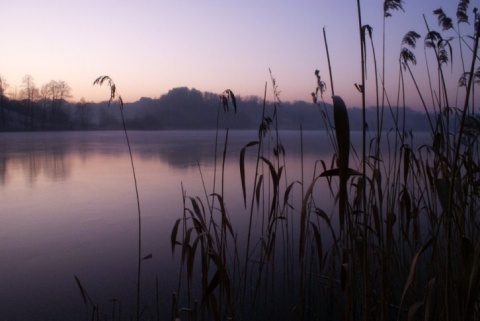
(49, 108)
(34, 108)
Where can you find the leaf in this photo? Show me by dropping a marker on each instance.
(84, 293)
(318, 244)
(275, 181)
(428, 298)
(214, 282)
(406, 206)
(223, 211)
(271, 243)
(191, 256)
(359, 88)
(287, 194)
(336, 172)
(376, 220)
(342, 131)
(443, 188)
(147, 257)
(406, 163)
(473, 286)
(377, 177)
(186, 244)
(325, 217)
(173, 236)
(197, 211)
(258, 190)
(344, 276)
(466, 250)
(303, 218)
(413, 310)
(413, 267)
(330, 172)
(224, 278)
(242, 169)
(273, 172)
(213, 306)
(358, 196)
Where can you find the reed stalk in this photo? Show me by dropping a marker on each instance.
(113, 94)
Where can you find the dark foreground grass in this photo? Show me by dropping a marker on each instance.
(402, 241)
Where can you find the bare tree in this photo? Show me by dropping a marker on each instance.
(3, 86)
(64, 90)
(3, 99)
(56, 93)
(83, 113)
(45, 98)
(29, 94)
(63, 93)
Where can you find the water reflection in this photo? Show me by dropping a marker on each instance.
(3, 170)
(33, 154)
(69, 207)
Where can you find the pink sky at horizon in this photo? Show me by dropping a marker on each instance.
(150, 47)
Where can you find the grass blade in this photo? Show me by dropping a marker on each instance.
(242, 169)
(413, 267)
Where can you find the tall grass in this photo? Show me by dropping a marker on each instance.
(401, 237)
(96, 315)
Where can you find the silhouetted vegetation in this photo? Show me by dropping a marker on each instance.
(400, 239)
(180, 108)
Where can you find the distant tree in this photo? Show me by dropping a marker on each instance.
(29, 94)
(3, 99)
(64, 93)
(186, 108)
(107, 118)
(57, 92)
(83, 113)
(45, 101)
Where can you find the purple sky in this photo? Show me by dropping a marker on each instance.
(149, 47)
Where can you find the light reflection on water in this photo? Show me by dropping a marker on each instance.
(68, 208)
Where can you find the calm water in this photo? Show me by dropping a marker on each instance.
(68, 208)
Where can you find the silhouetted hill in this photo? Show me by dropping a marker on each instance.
(183, 108)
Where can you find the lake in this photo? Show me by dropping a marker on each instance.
(68, 207)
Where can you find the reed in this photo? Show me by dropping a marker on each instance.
(401, 240)
(96, 315)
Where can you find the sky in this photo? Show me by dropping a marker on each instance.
(151, 46)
